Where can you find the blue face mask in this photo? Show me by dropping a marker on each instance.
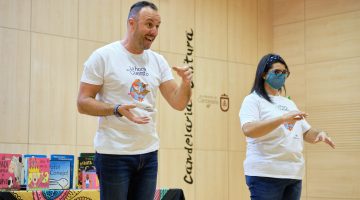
(276, 81)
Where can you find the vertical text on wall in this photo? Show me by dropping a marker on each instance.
(188, 60)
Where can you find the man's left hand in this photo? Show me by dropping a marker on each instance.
(185, 73)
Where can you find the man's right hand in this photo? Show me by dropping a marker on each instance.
(125, 111)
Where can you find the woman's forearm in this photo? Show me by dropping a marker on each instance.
(261, 128)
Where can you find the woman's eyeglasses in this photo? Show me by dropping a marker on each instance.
(279, 71)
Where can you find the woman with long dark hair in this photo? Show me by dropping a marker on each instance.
(275, 131)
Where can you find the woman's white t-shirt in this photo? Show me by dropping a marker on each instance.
(277, 154)
(126, 78)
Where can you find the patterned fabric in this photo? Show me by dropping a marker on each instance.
(160, 194)
(173, 194)
(163, 192)
(157, 195)
(51, 195)
(274, 58)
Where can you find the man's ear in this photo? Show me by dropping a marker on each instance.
(131, 23)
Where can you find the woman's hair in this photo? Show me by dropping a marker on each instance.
(263, 67)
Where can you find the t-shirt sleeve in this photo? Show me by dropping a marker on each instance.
(166, 73)
(249, 111)
(93, 72)
(305, 126)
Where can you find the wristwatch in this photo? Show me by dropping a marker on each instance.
(116, 110)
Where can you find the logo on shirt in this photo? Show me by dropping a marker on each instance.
(138, 71)
(283, 108)
(138, 90)
(296, 136)
(289, 126)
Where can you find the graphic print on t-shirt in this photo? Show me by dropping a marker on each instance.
(137, 71)
(289, 126)
(138, 90)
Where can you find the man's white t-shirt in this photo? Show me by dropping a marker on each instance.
(277, 154)
(126, 78)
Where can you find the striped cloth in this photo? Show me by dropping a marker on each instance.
(160, 193)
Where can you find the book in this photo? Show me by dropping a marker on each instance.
(11, 166)
(85, 154)
(89, 180)
(24, 171)
(85, 163)
(38, 173)
(69, 158)
(59, 174)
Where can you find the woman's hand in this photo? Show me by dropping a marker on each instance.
(293, 116)
(323, 137)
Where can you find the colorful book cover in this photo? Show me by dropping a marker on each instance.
(59, 174)
(89, 180)
(84, 164)
(24, 171)
(38, 173)
(68, 158)
(10, 171)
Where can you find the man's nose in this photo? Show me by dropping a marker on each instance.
(154, 31)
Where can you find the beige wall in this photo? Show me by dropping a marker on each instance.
(320, 39)
(43, 44)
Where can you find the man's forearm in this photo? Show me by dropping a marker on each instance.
(91, 106)
(183, 95)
